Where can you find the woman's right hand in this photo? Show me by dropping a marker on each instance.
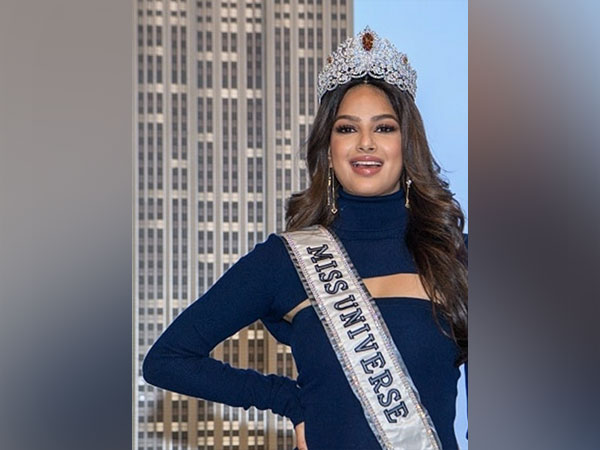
(300, 440)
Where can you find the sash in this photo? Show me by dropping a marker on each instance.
(361, 341)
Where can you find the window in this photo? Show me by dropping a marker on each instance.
(225, 74)
(234, 75)
(226, 242)
(209, 211)
(159, 109)
(210, 247)
(209, 41)
(209, 76)
(224, 42)
(260, 211)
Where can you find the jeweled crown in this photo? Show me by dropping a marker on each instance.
(367, 54)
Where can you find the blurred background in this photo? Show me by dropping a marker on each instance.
(68, 149)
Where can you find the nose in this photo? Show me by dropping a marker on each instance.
(366, 143)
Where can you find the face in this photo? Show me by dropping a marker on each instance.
(366, 145)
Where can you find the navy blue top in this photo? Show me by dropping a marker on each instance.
(264, 285)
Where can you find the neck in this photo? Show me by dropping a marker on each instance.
(381, 214)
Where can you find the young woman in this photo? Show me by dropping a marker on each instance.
(384, 375)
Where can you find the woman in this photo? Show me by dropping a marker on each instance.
(376, 187)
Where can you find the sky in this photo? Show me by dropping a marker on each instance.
(434, 36)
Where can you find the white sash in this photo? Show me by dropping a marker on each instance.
(361, 341)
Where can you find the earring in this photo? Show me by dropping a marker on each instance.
(408, 183)
(331, 192)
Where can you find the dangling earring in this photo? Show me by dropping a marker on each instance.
(331, 192)
(408, 183)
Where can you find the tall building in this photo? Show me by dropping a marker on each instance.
(225, 94)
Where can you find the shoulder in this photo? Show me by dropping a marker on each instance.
(275, 244)
(277, 271)
(271, 249)
(259, 267)
(272, 260)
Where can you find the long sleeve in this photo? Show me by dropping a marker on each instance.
(179, 360)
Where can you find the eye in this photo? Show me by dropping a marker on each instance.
(386, 128)
(344, 129)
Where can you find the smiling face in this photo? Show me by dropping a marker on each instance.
(366, 144)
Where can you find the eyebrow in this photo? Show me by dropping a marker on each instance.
(373, 119)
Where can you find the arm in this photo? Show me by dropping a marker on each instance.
(179, 360)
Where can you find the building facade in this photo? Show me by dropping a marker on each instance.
(224, 97)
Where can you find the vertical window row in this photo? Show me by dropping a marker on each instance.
(209, 167)
(250, 122)
(287, 80)
(201, 165)
(258, 58)
(258, 103)
(302, 86)
(234, 146)
(225, 144)
(175, 251)
(174, 125)
(174, 53)
(311, 85)
(278, 85)
(249, 61)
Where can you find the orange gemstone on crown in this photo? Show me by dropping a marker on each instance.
(367, 41)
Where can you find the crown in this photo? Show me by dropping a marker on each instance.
(367, 54)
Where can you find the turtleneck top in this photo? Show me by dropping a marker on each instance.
(264, 285)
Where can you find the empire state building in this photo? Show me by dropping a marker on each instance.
(225, 92)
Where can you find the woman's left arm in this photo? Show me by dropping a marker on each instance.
(180, 359)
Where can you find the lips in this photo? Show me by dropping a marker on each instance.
(366, 161)
(366, 165)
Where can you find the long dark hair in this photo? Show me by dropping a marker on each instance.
(436, 221)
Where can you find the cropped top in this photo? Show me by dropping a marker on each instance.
(263, 285)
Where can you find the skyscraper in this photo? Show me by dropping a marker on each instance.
(224, 98)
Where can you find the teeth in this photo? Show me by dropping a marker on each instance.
(366, 163)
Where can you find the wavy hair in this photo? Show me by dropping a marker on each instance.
(436, 221)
